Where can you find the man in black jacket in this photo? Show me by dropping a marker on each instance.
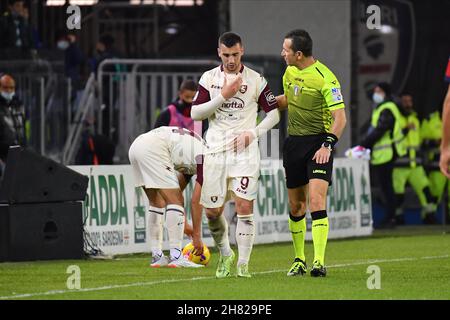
(12, 117)
(15, 34)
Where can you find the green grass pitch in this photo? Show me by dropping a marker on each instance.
(413, 262)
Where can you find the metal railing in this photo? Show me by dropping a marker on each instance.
(83, 120)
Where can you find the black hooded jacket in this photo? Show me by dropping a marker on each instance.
(12, 125)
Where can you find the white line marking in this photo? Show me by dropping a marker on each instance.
(150, 283)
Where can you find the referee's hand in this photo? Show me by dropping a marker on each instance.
(322, 155)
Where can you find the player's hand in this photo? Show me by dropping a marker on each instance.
(231, 88)
(444, 162)
(243, 140)
(198, 245)
(322, 155)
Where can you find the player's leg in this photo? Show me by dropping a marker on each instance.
(245, 232)
(156, 226)
(213, 196)
(175, 227)
(297, 226)
(218, 227)
(142, 176)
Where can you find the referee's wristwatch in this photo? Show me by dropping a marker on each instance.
(327, 145)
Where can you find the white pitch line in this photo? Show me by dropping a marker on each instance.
(150, 283)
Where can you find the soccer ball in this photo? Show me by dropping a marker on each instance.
(201, 259)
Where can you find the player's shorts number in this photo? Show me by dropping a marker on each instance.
(244, 183)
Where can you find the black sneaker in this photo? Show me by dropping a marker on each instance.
(298, 268)
(318, 270)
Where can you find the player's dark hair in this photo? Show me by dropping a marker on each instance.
(301, 41)
(188, 84)
(229, 39)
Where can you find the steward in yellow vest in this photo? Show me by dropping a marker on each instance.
(409, 168)
(386, 139)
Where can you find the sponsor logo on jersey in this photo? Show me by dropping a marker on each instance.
(320, 171)
(213, 86)
(233, 104)
(336, 94)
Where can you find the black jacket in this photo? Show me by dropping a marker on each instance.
(12, 125)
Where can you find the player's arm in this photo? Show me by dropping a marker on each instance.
(282, 98)
(183, 181)
(197, 219)
(331, 92)
(444, 161)
(268, 103)
(203, 106)
(282, 102)
(339, 122)
(197, 209)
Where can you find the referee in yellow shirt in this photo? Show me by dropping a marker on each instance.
(316, 119)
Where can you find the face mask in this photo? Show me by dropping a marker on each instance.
(62, 45)
(7, 95)
(377, 98)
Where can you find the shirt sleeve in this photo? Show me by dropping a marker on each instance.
(331, 92)
(447, 72)
(266, 98)
(202, 94)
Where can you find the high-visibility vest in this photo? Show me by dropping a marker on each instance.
(383, 149)
(413, 139)
(431, 129)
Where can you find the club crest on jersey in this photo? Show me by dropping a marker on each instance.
(214, 199)
(270, 98)
(243, 88)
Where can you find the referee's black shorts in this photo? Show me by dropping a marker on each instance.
(298, 152)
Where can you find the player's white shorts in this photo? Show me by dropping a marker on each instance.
(226, 173)
(152, 166)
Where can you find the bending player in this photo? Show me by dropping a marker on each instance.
(157, 158)
(228, 96)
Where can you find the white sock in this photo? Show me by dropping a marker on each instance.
(155, 223)
(219, 231)
(175, 229)
(245, 236)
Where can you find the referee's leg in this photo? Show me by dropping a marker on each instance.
(317, 204)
